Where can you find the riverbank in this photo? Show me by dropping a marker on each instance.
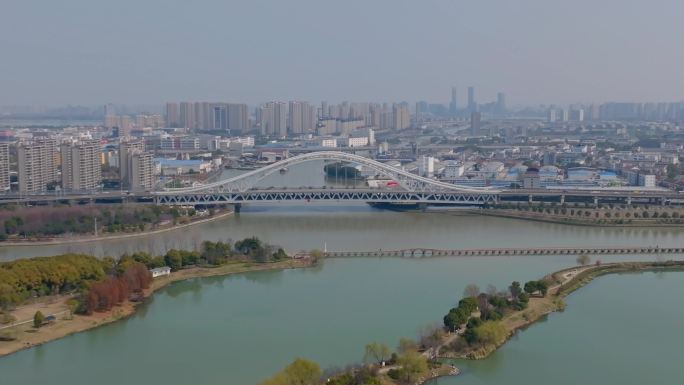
(567, 220)
(564, 282)
(114, 236)
(66, 323)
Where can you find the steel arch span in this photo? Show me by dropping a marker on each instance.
(408, 181)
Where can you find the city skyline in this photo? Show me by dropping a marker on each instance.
(531, 49)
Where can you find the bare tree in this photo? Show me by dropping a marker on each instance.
(471, 291)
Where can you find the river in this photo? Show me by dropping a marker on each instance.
(621, 329)
(241, 329)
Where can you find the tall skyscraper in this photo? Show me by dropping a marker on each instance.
(4, 167)
(453, 106)
(81, 169)
(472, 104)
(36, 165)
(475, 122)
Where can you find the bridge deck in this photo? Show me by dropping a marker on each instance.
(425, 252)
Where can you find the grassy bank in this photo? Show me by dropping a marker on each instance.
(135, 232)
(658, 217)
(27, 336)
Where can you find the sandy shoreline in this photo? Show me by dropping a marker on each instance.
(65, 325)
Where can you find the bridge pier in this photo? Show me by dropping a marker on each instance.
(629, 200)
(237, 207)
(595, 201)
(562, 199)
(530, 199)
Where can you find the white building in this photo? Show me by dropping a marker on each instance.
(160, 271)
(647, 180)
(426, 166)
(4, 167)
(453, 169)
(353, 142)
(327, 142)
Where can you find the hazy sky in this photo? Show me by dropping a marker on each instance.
(150, 51)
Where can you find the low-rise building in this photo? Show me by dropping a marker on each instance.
(160, 271)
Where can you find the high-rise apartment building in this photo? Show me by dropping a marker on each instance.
(302, 117)
(295, 122)
(81, 165)
(4, 167)
(172, 115)
(401, 116)
(36, 165)
(551, 116)
(141, 175)
(208, 116)
(187, 115)
(136, 166)
(238, 117)
(274, 119)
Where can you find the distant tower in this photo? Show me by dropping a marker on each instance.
(472, 105)
(501, 103)
(475, 121)
(109, 110)
(453, 106)
(551, 115)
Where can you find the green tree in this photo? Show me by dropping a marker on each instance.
(531, 287)
(406, 344)
(491, 332)
(299, 372)
(515, 289)
(377, 352)
(38, 319)
(672, 171)
(583, 260)
(174, 259)
(413, 365)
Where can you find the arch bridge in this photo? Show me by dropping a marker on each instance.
(411, 188)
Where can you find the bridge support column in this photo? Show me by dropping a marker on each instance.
(629, 200)
(595, 201)
(422, 206)
(238, 207)
(562, 199)
(529, 199)
(662, 201)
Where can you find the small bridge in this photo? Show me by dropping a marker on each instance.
(424, 252)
